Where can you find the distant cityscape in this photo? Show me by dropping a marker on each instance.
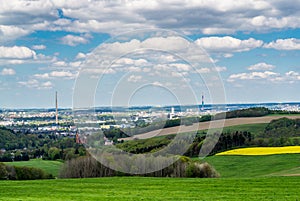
(63, 121)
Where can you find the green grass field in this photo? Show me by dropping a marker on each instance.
(51, 167)
(254, 129)
(255, 166)
(273, 177)
(287, 114)
(137, 188)
(242, 178)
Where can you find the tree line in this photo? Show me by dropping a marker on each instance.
(279, 132)
(8, 172)
(116, 133)
(87, 166)
(22, 147)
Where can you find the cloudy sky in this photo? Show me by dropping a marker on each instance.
(253, 44)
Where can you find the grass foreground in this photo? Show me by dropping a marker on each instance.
(139, 188)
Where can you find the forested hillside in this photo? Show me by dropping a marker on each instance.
(18, 146)
(283, 128)
(280, 132)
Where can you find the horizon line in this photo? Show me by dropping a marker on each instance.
(106, 106)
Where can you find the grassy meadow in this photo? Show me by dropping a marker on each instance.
(259, 177)
(138, 188)
(51, 167)
(245, 178)
(255, 129)
(255, 166)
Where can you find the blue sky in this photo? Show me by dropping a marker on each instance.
(44, 45)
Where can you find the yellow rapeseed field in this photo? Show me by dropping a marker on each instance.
(256, 151)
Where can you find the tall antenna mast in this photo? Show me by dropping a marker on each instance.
(202, 108)
(56, 111)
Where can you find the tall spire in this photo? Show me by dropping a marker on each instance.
(56, 111)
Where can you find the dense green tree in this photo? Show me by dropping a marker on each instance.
(54, 153)
(3, 172)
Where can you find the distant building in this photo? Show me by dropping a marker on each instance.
(108, 142)
(105, 126)
(80, 140)
(172, 113)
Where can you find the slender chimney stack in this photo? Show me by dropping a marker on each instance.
(202, 108)
(56, 111)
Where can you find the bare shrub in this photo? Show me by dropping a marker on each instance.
(84, 167)
(3, 172)
(87, 166)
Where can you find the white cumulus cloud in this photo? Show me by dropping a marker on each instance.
(16, 52)
(38, 47)
(56, 74)
(74, 40)
(293, 76)
(80, 55)
(284, 44)
(8, 33)
(46, 85)
(19, 18)
(261, 66)
(35, 84)
(134, 78)
(8, 71)
(220, 68)
(61, 74)
(228, 44)
(266, 75)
